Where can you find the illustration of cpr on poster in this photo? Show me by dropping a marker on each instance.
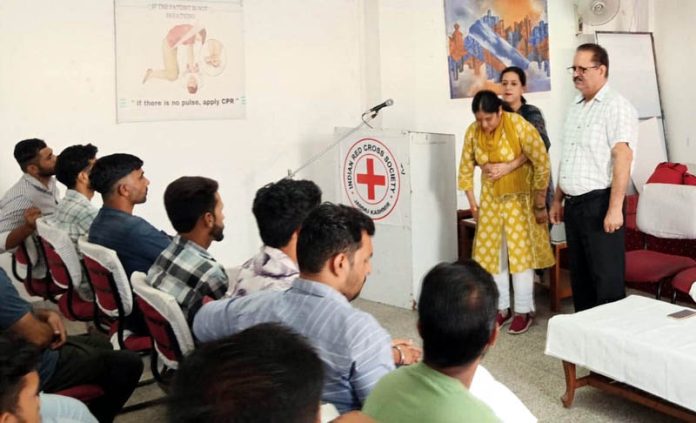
(179, 60)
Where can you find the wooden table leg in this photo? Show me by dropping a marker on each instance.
(572, 383)
(622, 390)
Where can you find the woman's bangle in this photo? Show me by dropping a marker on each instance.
(540, 207)
(402, 358)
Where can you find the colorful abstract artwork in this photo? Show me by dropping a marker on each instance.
(486, 36)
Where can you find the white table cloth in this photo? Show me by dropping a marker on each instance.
(634, 342)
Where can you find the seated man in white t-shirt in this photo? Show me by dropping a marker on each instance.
(279, 208)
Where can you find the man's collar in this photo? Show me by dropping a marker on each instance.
(319, 289)
(36, 183)
(601, 94)
(190, 244)
(108, 209)
(76, 195)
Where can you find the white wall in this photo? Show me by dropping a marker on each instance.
(310, 66)
(675, 38)
(304, 76)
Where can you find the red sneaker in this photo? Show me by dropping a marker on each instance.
(520, 324)
(503, 318)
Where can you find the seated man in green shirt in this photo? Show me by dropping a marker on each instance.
(456, 319)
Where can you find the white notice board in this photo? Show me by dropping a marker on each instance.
(632, 70)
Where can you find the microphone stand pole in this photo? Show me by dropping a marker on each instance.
(367, 117)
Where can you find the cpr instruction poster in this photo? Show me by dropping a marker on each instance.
(179, 60)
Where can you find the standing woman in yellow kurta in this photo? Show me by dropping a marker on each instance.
(512, 235)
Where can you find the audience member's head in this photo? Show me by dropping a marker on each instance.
(281, 207)
(19, 381)
(335, 247)
(35, 158)
(456, 313)
(266, 373)
(74, 164)
(120, 177)
(194, 205)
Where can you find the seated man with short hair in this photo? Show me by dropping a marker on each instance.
(334, 252)
(34, 195)
(20, 400)
(70, 361)
(266, 373)
(456, 318)
(121, 181)
(75, 212)
(185, 269)
(279, 208)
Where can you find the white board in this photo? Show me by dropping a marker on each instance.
(649, 152)
(632, 70)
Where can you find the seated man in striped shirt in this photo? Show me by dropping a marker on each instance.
(185, 269)
(334, 252)
(34, 195)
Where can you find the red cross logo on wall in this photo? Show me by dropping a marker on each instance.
(370, 179)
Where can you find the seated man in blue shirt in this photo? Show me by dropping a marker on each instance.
(185, 269)
(334, 252)
(121, 181)
(70, 361)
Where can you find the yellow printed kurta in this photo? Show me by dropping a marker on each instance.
(527, 241)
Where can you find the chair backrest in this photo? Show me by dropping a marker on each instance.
(108, 278)
(667, 211)
(27, 259)
(61, 255)
(165, 320)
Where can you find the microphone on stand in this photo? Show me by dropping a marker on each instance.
(379, 107)
(372, 113)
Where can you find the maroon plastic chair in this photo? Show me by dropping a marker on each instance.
(36, 285)
(647, 267)
(683, 282)
(112, 292)
(65, 270)
(171, 335)
(84, 393)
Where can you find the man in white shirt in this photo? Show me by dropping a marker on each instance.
(279, 209)
(599, 138)
(34, 195)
